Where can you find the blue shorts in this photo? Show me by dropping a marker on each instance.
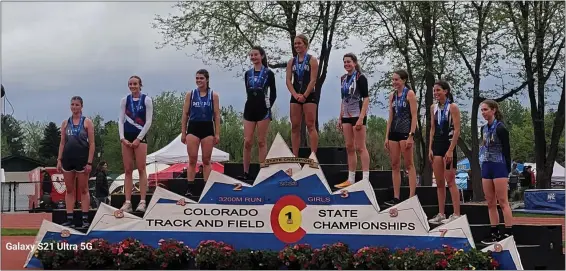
(494, 170)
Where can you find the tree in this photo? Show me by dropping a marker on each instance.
(12, 131)
(224, 31)
(539, 32)
(167, 114)
(33, 133)
(49, 144)
(476, 32)
(99, 131)
(111, 147)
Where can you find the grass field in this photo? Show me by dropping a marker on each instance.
(517, 214)
(19, 232)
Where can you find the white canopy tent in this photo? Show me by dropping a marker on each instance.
(557, 174)
(176, 152)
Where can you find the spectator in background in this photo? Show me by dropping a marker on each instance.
(514, 177)
(46, 184)
(101, 189)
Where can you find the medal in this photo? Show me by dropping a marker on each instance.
(201, 103)
(76, 130)
(400, 102)
(489, 135)
(299, 69)
(346, 84)
(256, 80)
(443, 116)
(133, 109)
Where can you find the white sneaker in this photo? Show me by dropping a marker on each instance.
(451, 218)
(127, 207)
(141, 207)
(437, 219)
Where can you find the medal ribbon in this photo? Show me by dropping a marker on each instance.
(300, 69)
(400, 102)
(134, 109)
(443, 114)
(346, 84)
(201, 103)
(256, 80)
(489, 134)
(76, 130)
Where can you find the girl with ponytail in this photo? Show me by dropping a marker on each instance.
(444, 134)
(495, 161)
(353, 118)
(399, 136)
(257, 111)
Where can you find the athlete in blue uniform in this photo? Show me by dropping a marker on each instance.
(257, 111)
(353, 118)
(495, 160)
(302, 72)
(136, 113)
(76, 151)
(400, 133)
(200, 125)
(444, 134)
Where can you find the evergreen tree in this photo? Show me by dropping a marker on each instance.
(49, 145)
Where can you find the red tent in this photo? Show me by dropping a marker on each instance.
(167, 173)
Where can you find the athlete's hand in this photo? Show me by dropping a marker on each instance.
(448, 157)
(59, 166)
(386, 145)
(126, 143)
(216, 139)
(301, 98)
(410, 142)
(136, 143)
(430, 156)
(359, 124)
(339, 124)
(88, 168)
(184, 139)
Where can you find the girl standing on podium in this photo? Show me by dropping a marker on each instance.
(136, 114)
(257, 111)
(400, 133)
(200, 124)
(353, 117)
(76, 151)
(495, 161)
(444, 134)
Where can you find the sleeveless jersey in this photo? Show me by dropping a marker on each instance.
(443, 133)
(76, 145)
(256, 87)
(491, 148)
(135, 123)
(300, 83)
(402, 122)
(202, 108)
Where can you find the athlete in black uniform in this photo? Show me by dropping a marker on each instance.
(353, 117)
(444, 134)
(76, 151)
(257, 111)
(400, 133)
(301, 79)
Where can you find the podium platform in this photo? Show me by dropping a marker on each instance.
(544, 201)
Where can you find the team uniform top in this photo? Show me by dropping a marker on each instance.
(302, 79)
(201, 108)
(135, 116)
(76, 140)
(495, 145)
(354, 90)
(444, 131)
(259, 100)
(402, 121)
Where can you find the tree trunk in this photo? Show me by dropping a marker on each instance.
(477, 186)
(427, 28)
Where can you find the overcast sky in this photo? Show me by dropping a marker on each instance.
(52, 51)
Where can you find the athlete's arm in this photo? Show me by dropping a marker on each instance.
(455, 113)
(216, 114)
(390, 119)
(432, 128)
(289, 77)
(364, 93)
(148, 117)
(122, 118)
(314, 72)
(503, 135)
(62, 142)
(91, 141)
(272, 88)
(185, 117)
(413, 102)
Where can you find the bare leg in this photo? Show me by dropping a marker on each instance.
(193, 144)
(395, 155)
(249, 128)
(207, 145)
(438, 168)
(410, 166)
(262, 130)
(296, 120)
(310, 119)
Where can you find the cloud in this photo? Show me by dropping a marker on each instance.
(52, 51)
